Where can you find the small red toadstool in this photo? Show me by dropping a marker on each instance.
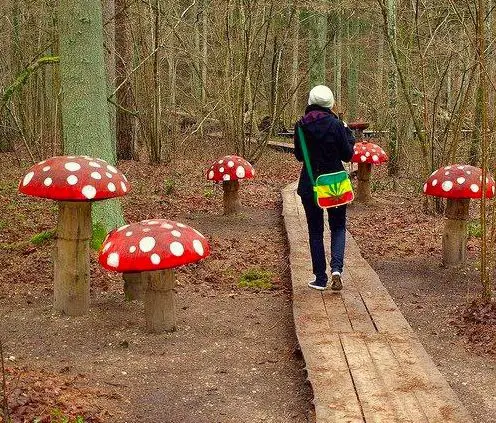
(229, 170)
(75, 181)
(366, 154)
(154, 247)
(458, 184)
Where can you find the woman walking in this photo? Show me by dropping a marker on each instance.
(329, 142)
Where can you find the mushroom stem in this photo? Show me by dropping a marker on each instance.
(160, 313)
(71, 261)
(363, 186)
(231, 200)
(134, 287)
(455, 231)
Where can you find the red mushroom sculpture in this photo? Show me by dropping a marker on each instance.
(458, 184)
(154, 247)
(75, 182)
(366, 154)
(230, 170)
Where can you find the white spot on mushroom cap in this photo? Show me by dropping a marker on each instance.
(166, 226)
(106, 247)
(425, 187)
(175, 233)
(230, 163)
(211, 174)
(375, 158)
(123, 186)
(434, 182)
(221, 169)
(226, 177)
(176, 248)
(94, 164)
(96, 175)
(240, 172)
(89, 191)
(181, 225)
(112, 168)
(46, 168)
(447, 185)
(109, 175)
(146, 229)
(155, 258)
(111, 187)
(221, 161)
(367, 154)
(132, 249)
(198, 247)
(113, 259)
(27, 178)
(72, 166)
(122, 228)
(48, 181)
(474, 188)
(147, 244)
(129, 233)
(460, 180)
(72, 180)
(152, 222)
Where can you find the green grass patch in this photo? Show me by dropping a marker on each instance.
(208, 193)
(43, 237)
(256, 279)
(97, 236)
(57, 416)
(169, 186)
(3, 224)
(474, 229)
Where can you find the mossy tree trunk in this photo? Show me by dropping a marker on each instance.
(72, 260)
(85, 115)
(455, 231)
(317, 49)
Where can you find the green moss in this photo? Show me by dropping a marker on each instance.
(98, 235)
(474, 229)
(256, 279)
(169, 186)
(42, 237)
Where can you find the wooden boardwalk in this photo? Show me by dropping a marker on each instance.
(364, 362)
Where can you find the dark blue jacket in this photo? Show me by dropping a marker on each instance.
(328, 141)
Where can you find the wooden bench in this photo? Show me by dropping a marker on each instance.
(364, 361)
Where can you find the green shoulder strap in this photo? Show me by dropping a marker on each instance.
(306, 157)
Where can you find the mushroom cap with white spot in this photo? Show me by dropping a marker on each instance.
(152, 245)
(230, 168)
(458, 181)
(368, 152)
(74, 178)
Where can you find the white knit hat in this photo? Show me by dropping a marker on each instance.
(321, 96)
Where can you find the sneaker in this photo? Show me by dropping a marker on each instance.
(336, 283)
(320, 285)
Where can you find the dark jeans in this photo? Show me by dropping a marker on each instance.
(337, 225)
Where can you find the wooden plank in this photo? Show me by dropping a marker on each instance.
(335, 397)
(358, 315)
(396, 378)
(336, 312)
(435, 396)
(372, 394)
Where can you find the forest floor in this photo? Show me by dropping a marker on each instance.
(234, 357)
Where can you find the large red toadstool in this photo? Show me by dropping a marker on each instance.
(154, 247)
(229, 170)
(366, 154)
(458, 184)
(75, 182)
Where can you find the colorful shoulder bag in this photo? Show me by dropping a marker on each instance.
(330, 189)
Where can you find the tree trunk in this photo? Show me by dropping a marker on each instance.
(353, 64)
(231, 199)
(160, 311)
(72, 260)
(85, 116)
(134, 287)
(125, 121)
(363, 186)
(455, 232)
(338, 59)
(317, 47)
(295, 65)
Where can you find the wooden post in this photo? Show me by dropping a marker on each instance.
(134, 287)
(455, 231)
(363, 186)
(72, 260)
(160, 313)
(231, 200)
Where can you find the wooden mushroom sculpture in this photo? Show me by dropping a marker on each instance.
(366, 154)
(230, 170)
(458, 184)
(75, 182)
(154, 247)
